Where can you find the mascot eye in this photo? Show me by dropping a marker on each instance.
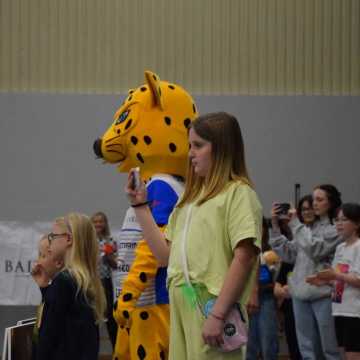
(123, 116)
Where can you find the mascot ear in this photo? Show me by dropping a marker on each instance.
(153, 81)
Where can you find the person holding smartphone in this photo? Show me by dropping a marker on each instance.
(222, 217)
(311, 250)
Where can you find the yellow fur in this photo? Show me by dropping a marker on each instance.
(159, 111)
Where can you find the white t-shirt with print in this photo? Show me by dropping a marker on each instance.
(346, 298)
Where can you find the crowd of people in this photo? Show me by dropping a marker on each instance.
(316, 285)
(301, 265)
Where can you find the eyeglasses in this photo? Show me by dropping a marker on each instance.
(52, 236)
(340, 220)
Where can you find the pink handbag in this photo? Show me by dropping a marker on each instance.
(235, 330)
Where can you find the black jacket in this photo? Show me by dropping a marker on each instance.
(67, 330)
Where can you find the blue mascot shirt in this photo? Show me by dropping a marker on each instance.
(162, 196)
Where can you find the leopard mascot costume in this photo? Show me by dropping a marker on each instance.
(149, 131)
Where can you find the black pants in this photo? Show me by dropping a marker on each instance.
(290, 332)
(111, 323)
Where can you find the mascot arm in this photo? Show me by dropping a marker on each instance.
(144, 267)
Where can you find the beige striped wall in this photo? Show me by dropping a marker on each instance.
(258, 47)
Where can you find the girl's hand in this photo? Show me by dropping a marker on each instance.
(292, 213)
(281, 292)
(286, 292)
(327, 274)
(275, 210)
(40, 275)
(278, 291)
(314, 280)
(253, 304)
(275, 215)
(135, 196)
(212, 332)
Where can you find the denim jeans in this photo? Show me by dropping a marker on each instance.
(315, 329)
(263, 330)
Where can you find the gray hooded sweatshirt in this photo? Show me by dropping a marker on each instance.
(311, 250)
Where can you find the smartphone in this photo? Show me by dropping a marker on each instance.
(283, 209)
(135, 180)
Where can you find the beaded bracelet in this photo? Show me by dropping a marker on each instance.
(140, 204)
(217, 317)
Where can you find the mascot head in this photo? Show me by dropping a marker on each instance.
(150, 130)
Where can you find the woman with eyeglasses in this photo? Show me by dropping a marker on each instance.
(74, 300)
(312, 249)
(344, 276)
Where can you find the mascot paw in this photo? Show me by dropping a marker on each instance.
(122, 314)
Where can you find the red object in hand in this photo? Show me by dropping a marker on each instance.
(108, 249)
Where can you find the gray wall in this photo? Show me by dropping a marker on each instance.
(48, 166)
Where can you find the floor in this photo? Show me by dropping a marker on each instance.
(9, 315)
(105, 346)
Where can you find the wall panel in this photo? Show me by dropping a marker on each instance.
(249, 47)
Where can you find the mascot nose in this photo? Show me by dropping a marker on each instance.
(97, 148)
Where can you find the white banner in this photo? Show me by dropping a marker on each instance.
(18, 251)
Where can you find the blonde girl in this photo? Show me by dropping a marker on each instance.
(74, 301)
(222, 240)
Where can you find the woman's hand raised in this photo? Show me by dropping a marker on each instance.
(40, 275)
(135, 194)
(212, 331)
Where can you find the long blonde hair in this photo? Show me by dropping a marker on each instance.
(222, 130)
(81, 260)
